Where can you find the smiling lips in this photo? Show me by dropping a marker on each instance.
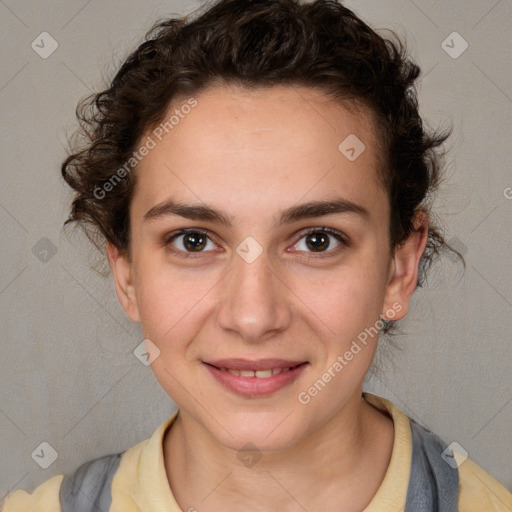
(260, 374)
(252, 378)
(254, 366)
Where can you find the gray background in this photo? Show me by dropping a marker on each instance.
(68, 374)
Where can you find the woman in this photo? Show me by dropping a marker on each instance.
(259, 175)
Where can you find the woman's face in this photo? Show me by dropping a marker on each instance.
(253, 285)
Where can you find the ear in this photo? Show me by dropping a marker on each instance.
(403, 272)
(123, 278)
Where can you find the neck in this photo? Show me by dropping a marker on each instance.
(345, 459)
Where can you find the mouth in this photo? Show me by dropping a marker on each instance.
(255, 378)
(259, 374)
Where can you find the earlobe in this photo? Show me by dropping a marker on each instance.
(403, 274)
(123, 280)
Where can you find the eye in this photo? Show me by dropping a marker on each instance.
(190, 241)
(319, 240)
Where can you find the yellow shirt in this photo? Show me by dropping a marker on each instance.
(140, 483)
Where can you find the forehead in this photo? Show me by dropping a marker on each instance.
(278, 117)
(277, 145)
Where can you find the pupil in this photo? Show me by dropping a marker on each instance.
(197, 241)
(318, 241)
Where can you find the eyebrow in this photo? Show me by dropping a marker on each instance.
(292, 214)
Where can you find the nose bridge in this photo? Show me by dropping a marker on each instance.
(252, 303)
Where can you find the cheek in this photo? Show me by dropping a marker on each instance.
(351, 327)
(349, 312)
(346, 300)
(160, 301)
(171, 304)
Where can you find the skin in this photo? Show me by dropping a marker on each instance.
(252, 154)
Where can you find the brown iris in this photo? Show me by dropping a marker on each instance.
(194, 241)
(317, 241)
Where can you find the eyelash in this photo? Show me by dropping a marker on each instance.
(332, 252)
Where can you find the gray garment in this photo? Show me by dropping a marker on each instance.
(433, 485)
(88, 489)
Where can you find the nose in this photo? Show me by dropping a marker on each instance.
(254, 303)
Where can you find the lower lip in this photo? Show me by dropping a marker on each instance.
(254, 386)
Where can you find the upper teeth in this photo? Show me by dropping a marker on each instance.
(261, 374)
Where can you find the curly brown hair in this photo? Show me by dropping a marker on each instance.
(257, 43)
